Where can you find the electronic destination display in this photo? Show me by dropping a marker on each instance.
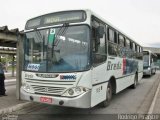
(56, 18)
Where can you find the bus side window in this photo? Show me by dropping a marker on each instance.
(94, 49)
(112, 44)
(111, 35)
(134, 50)
(141, 53)
(135, 47)
(98, 43)
(127, 44)
(121, 42)
(138, 52)
(131, 45)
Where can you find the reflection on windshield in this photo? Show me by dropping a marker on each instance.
(146, 60)
(57, 52)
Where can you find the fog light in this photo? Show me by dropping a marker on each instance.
(77, 90)
(70, 92)
(84, 89)
(27, 87)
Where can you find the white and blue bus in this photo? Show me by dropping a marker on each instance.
(149, 63)
(77, 59)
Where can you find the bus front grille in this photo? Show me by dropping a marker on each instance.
(49, 87)
(48, 90)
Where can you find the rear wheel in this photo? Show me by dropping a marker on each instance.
(106, 102)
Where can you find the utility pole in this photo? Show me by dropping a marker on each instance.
(19, 64)
(12, 65)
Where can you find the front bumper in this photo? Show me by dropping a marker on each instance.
(146, 72)
(82, 101)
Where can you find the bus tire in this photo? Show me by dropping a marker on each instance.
(154, 71)
(109, 91)
(135, 82)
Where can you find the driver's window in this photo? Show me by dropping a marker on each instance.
(98, 44)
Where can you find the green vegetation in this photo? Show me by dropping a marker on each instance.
(6, 59)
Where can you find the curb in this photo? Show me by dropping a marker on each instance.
(14, 108)
(150, 111)
(9, 80)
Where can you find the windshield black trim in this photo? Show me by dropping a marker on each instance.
(90, 64)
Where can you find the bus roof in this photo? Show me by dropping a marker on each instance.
(90, 12)
(109, 24)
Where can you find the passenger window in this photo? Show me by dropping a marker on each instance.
(133, 46)
(140, 54)
(128, 43)
(137, 48)
(112, 44)
(140, 49)
(126, 50)
(99, 44)
(112, 49)
(121, 40)
(112, 35)
(134, 49)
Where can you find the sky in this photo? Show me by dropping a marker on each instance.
(139, 19)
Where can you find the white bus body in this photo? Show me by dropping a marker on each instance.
(100, 67)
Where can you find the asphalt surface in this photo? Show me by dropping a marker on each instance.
(11, 82)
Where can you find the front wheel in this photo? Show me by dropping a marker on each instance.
(106, 102)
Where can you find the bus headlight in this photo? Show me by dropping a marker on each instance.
(149, 68)
(27, 88)
(75, 91)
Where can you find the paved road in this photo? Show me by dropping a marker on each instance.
(11, 82)
(129, 101)
(10, 99)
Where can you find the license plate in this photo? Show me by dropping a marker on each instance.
(45, 99)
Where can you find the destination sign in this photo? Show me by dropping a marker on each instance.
(56, 18)
(63, 18)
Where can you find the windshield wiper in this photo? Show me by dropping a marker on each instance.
(61, 32)
(38, 34)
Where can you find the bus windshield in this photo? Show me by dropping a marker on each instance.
(60, 49)
(145, 59)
